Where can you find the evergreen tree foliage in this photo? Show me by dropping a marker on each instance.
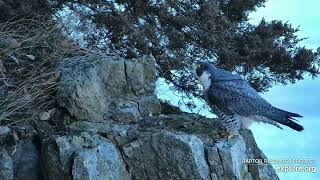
(179, 32)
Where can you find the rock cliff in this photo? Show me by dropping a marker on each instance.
(111, 126)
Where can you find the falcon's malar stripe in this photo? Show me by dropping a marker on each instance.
(205, 80)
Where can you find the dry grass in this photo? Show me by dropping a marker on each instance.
(30, 51)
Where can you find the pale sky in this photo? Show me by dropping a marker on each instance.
(302, 97)
(303, 13)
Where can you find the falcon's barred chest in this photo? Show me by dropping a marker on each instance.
(231, 123)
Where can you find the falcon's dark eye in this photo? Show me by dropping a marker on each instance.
(200, 66)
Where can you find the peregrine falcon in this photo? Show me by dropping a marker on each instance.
(236, 103)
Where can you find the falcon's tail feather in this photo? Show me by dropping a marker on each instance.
(290, 123)
(289, 114)
(286, 118)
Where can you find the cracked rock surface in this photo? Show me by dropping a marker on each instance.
(114, 129)
(82, 156)
(102, 88)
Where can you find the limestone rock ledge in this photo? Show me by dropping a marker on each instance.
(113, 128)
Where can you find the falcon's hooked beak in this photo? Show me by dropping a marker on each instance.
(201, 73)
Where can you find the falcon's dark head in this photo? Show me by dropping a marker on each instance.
(202, 71)
(201, 67)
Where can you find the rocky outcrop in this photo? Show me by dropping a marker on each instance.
(102, 88)
(182, 147)
(113, 128)
(82, 156)
(19, 154)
